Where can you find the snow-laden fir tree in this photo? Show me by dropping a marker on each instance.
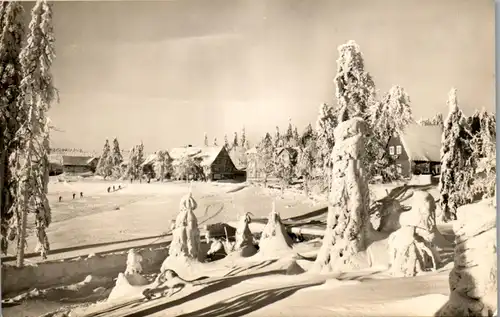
(243, 137)
(436, 120)
(116, 158)
(305, 165)
(325, 139)
(289, 133)
(205, 140)
(278, 139)
(11, 116)
(307, 136)
(162, 165)
(283, 170)
(266, 157)
(247, 145)
(453, 147)
(226, 143)
(215, 142)
(296, 136)
(348, 224)
(355, 89)
(36, 96)
(105, 165)
(235, 140)
(389, 116)
(136, 158)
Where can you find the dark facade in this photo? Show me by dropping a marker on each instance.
(396, 149)
(222, 166)
(79, 164)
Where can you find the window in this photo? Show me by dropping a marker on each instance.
(399, 150)
(391, 150)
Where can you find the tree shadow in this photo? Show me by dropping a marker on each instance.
(247, 302)
(213, 287)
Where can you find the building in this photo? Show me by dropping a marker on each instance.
(215, 161)
(79, 164)
(289, 155)
(417, 150)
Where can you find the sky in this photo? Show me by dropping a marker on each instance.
(165, 72)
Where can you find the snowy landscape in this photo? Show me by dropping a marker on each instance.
(365, 209)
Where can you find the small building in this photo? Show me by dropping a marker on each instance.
(417, 150)
(214, 160)
(289, 155)
(79, 164)
(253, 173)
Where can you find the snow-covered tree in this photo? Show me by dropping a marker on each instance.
(355, 89)
(116, 158)
(436, 120)
(296, 136)
(235, 140)
(215, 142)
(266, 157)
(226, 143)
(453, 158)
(247, 145)
(187, 167)
(348, 223)
(289, 133)
(37, 93)
(105, 164)
(162, 165)
(11, 116)
(205, 140)
(278, 140)
(387, 117)
(283, 170)
(305, 165)
(307, 136)
(243, 137)
(325, 140)
(136, 158)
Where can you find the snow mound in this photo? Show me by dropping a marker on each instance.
(330, 284)
(123, 289)
(274, 240)
(473, 279)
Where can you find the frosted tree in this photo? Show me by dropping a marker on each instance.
(283, 170)
(391, 115)
(289, 133)
(296, 136)
(452, 158)
(37, 93)
(307, 136)
(205, 140)
(436, 120)
(266, 157)
(278, 140)
(235, 140)
(226, 143)
(243, 137)
(305, 165)
(247, 145)
(215, 142)
(105, 164)
(355, 89)
(131, 172)
(11, 116)
(325, 140)
(348, 224)
(162, 165)
(116, 157)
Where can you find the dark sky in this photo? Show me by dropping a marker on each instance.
(165, 72)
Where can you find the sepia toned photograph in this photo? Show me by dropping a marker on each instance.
(224, 158)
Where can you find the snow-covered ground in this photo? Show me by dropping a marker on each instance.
(141, 210)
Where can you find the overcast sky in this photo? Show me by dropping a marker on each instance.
(165, 72)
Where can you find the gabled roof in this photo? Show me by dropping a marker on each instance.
(208, 154)
(151, 158)
(77, 160)
(422, 143)
(292, 150)
(251, 151)
(238, 156)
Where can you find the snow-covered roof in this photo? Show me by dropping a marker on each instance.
(179, 152)
(208, 154)
(422, 143)
(237, 155)
(150, 159)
